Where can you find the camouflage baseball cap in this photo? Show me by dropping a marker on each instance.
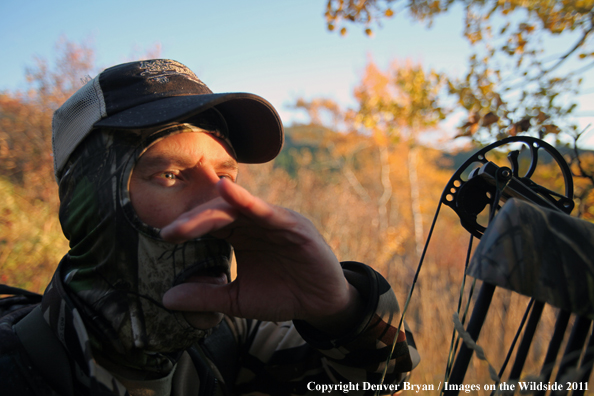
(149, 93)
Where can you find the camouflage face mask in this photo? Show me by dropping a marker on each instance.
(118, 268)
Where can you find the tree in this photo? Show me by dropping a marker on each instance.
(399, 105)
(25, 118)
(511, 85)
(31, 241)
(394, 108)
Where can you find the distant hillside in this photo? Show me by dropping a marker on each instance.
(298, 137)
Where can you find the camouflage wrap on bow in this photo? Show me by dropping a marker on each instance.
(541, 253)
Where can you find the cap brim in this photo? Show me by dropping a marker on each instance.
(255, 128)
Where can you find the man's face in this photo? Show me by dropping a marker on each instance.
(175, 175)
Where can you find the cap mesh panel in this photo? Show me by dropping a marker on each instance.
(74, 120)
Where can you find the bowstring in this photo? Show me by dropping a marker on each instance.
(493, 209)
(455, 340)
(415, 279)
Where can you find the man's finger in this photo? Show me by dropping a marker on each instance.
(199, 222)
(199, 297)
(254, 207)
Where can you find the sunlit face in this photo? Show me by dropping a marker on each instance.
(177, 174)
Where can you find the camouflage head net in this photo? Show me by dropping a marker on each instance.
(118, 268)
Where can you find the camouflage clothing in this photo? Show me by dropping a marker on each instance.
(105, 301)
(240, 357)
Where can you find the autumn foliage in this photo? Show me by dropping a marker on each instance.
(513, 83)
(31, 242)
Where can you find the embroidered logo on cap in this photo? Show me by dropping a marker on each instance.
(160, 70)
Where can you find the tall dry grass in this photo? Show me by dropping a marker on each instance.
(31, 240)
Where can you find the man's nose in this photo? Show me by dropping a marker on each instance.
(203, 186)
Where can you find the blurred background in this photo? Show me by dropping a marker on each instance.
(381, 100)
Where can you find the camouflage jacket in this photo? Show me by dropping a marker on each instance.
(241, 356)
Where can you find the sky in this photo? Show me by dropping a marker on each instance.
(278, 49)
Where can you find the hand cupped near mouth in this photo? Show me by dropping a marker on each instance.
(209, 275)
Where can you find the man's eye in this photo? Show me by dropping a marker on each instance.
(168, 175)
(226, 177)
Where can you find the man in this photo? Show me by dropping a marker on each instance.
(146, 160)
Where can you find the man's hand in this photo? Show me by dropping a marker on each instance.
(285, 270)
